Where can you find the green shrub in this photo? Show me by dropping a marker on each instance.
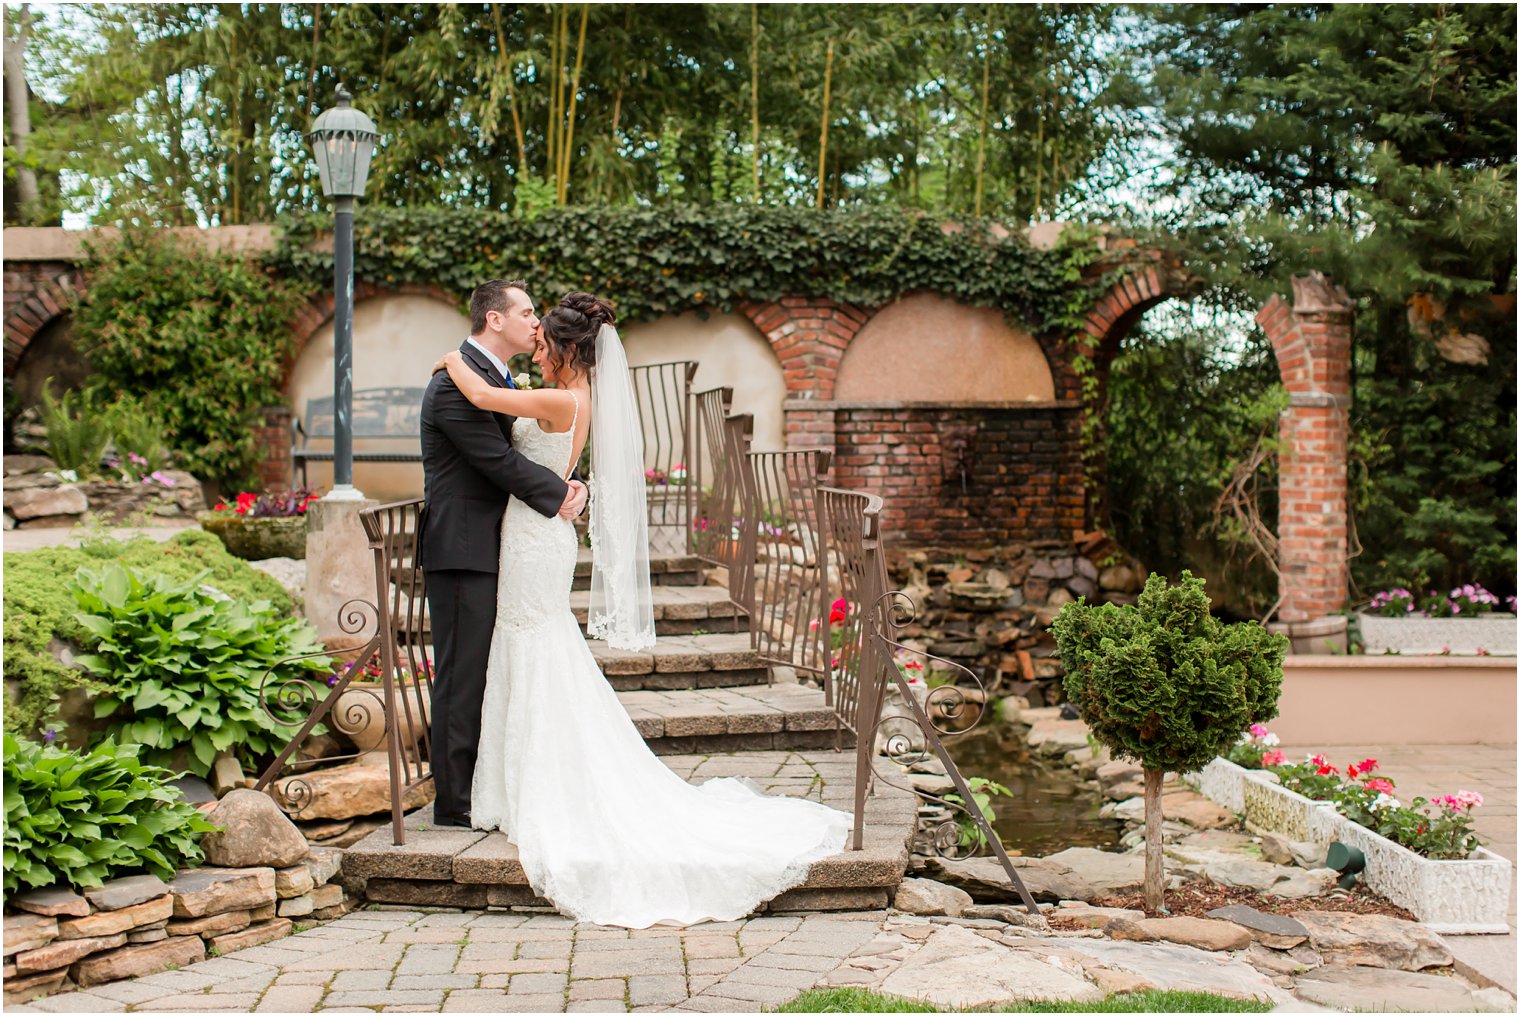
(78, 430)
(182, 665)
(40, 608)
(79, 818)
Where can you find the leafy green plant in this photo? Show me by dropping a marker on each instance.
(79, 818)
(138, 436)
(1166, 684)
(78, 431)
(982, 792)
(40, 609)
(183, 664)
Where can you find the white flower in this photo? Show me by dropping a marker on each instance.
(1384, 801)
(523, 380)
(1271, 740)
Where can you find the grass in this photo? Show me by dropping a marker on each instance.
(861, 1000)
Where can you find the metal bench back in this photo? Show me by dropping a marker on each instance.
(378, 412)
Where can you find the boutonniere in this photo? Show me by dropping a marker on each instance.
(523, 381)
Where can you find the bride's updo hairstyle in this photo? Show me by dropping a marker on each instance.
(570, 331)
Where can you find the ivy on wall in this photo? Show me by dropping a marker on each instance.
(651, 262)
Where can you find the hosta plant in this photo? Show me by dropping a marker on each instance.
(79, 818)
(183, 665)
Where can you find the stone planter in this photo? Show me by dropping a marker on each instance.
(1460, 897)
(1418, 633)
(258, 539)
(1268, 805)
(1222, 781)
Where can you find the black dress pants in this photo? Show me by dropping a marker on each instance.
(462, 606)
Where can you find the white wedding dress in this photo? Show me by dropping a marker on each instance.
(603, 829)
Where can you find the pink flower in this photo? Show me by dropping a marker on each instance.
(1367, 765)
(1273, 758)
(1469, 798)
(1382, 786)
(1258, 730)
(1317, 760)
(840, 605)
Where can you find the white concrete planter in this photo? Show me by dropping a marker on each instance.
(1469, 897)
(1419, 634)
(1465, 897)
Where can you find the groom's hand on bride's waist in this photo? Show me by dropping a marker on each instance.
(575, 500)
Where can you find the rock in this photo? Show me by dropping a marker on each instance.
(348, 791)
(1289, 962)
(264, 913)
(925, 896)
(1222, 841)
(227, 775)
(1198, 932)
(1054, 737)
(61, 953)
(1302, 885)
(1361, 989)
(258, 934)
(142, 935)
(204, 891)
(1165, 966)
(958, 969)
(55, 901)
(109, 922)
(1126, 791)
(1119, 579)
(1097, 917)
(1106, 872)
(1194, 810)
(324, 864)
(1119, 771)
(30, 503)
(138, 960)
(1131, 810)
(15, 465)
(24, 989)
(1373, 940)
(24, 932)
(296, 906)
(325, 896)
(1005, 913)
(932, 783)
(985, 880)
(255, 833)
(1081, 585)
(1274, 930)
(194, 789)
(287, 571)
(295, 881)
(216, 924)
(1059, 597)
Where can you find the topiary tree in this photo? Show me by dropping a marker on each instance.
(1168, 685)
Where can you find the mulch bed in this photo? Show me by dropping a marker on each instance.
(1197, 900)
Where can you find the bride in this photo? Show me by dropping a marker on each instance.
(603, 829)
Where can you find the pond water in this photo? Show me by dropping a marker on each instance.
(1050, 809)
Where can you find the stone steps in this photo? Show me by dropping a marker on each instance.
(763, 718)
(466, 868)
(665, 569)
(681, 610)
(683, 661)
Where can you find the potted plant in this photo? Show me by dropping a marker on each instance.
(258, 526)
(1467, 620)
(1168, 685)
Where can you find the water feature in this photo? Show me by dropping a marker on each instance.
(1050, 809)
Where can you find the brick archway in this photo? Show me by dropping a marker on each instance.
(36, 295)
(318, 310)
(809, 335)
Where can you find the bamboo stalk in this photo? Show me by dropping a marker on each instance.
(506, 72)
(754, 94)
(981, 141)
(575, 84)
(823, 138)
(551, 135)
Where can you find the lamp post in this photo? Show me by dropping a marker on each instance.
(343, 139)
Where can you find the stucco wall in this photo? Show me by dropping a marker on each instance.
(925, 348)
(397, 339)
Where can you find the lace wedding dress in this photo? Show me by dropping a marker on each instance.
(603, 829)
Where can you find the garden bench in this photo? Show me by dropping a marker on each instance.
(393, 414)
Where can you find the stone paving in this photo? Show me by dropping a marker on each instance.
(404, 960)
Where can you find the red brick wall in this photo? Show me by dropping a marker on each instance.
(1024, 470)
(36, 292)
(1312, 340)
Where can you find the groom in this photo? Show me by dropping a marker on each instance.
(469, 468)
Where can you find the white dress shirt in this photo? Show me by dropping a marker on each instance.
(501, 368)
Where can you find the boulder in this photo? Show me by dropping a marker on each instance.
(958, 969)
(137, 960)
(129, 891)
(54, 901)
(1106, 872)
(1274, 930)
(1363, 990)
(39, 502)
(1374, 940)
(925, 896)
(254, 833)
(348, 791)
(1198, 932)
(984, 878)
(204, 891)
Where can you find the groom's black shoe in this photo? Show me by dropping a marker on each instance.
(452, 821)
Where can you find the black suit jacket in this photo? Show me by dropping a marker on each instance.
(469, 469)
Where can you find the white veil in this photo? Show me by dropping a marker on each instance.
(622, 607)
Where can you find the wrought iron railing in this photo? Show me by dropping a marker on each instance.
(671, 455)
(783, 589)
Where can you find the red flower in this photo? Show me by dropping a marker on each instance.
(840, 605)
(836, 617)
(1326, 770)
(1366, 765)
(221, 506)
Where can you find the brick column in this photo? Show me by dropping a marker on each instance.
(274, 443)
(809, 335)
(1312, 340)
